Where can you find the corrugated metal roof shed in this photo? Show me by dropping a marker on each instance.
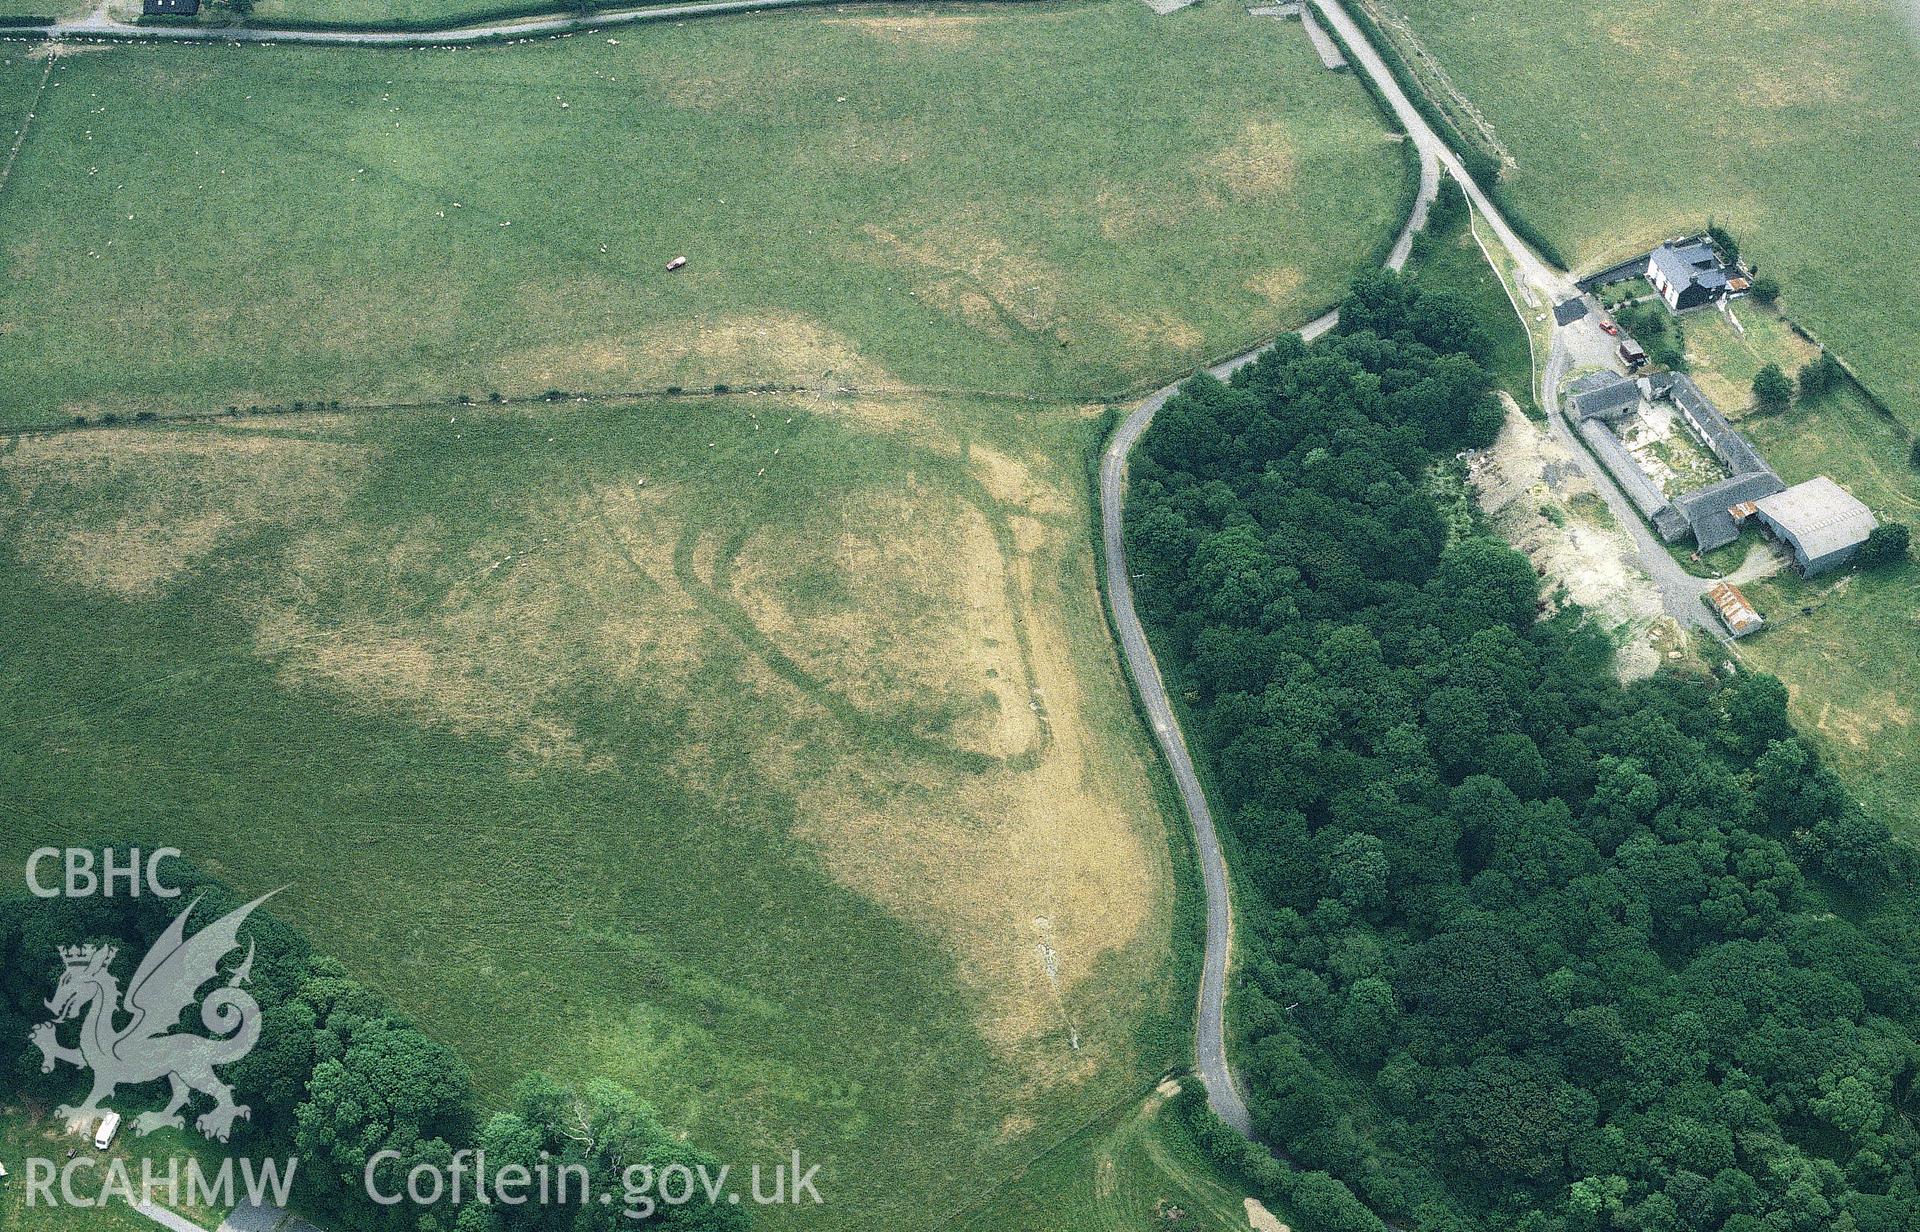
(1740, 616)
(1819, 517)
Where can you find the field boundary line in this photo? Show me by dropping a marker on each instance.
(671, 393)
(555, 24)
(26, 121)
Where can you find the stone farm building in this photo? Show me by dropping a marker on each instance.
(1687, 274)
(1601, 400)
(1709, 512)
(1819, 519)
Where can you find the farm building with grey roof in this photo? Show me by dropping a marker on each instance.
(1709, 511)
(1604, 395)
(1823, 522)
(1601, 399)
(1734, 450)
(1687, 274)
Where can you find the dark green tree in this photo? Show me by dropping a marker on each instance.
(1772, 391)
(1886, 545)
(1724, 241)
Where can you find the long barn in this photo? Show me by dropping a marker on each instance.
(1823, 523)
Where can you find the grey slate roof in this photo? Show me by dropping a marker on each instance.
(1708, 511)
(1686, 264)
(1819, 516)
(1705, 514)
(1733, 449)
(1642, 491)
(1605, 396)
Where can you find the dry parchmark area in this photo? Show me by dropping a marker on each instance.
(928, 600)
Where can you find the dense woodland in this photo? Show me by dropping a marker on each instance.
(339, 1077)
(1523, 949)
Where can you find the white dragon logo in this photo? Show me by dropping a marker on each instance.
(147, 1049)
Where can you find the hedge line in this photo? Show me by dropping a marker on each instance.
(1316, 1199)
(1482, 166)
(448, 24)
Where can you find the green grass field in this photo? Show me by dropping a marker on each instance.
(1724, 361)
(1849, 660)
(1456, 263)
(20, 76)
(1117, 197)
(768, 756)
(33, 1133)
(1132, 1170)
(1798, 126)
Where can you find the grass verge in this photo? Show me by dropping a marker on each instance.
(1451, 259)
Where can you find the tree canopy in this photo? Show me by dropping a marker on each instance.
(1772, 388)
(1525, 949)
(338, 1079)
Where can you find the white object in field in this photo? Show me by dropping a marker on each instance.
(675, 264)
(109, 1126)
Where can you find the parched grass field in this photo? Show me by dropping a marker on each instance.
(1849, 661)
(767, 755)
(1061, 201)
(1796, 125)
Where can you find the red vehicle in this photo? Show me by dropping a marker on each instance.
(1611, 328)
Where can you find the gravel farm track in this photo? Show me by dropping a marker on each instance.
(1538, 283)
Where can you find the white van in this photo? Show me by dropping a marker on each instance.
(109, 1126)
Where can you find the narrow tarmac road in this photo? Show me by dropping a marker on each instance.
(1210, 1043)
(100, 23)
(1210, 1033)
(1543, 281)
